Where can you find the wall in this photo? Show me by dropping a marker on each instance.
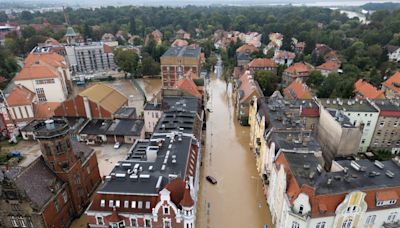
(151, 118)
(54, 92)
(369, 119)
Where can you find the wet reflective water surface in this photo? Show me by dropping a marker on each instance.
(237, 199)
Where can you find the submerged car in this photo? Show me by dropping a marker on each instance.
(117, 145)
(211, 179)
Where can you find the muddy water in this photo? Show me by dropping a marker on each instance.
(237, 199)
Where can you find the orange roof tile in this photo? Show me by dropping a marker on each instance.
(19, 96)
(50, 58)
(187, 200)
(284, 55)
(387, 195)
(248, 87)
(329, 66)
(179, 43)
(299, 68)
(262, 62)
(36, 71)
(393, 82)
(367, 90)
(45, 110)
(297, 90)
(247, 48)
(188, 86)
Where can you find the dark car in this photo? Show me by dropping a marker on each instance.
(211, 179)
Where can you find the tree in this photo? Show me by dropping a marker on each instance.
(87, 31)
(150, 66)
(8, 65)
(267, 81)
(127, 61)
(3, 16)
(315, 79)
(132, 25)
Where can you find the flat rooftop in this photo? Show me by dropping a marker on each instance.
(297, 140)
(341, 118)
(180, 103)
(348, 105)
(125, 127)
(126, 112)
(184, 51)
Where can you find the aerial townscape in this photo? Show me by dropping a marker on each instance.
(223, 114)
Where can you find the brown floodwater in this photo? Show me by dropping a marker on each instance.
(237, 200)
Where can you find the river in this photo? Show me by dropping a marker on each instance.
(237, 199)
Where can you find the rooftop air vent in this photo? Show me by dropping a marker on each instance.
(389, 173)
(379, 164)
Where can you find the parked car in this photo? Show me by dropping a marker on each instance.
(117, 145)
(211, 179)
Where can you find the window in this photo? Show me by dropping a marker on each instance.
(117, 203)
(369, 123)
(14, 221)
(362, 141)
(347, 223)
(134, 222)
(111, 203)
(301, 208)
(126, 203)
(295, 225)
(392, 217)
(22, 221)
(321, 225)
(77, 179)
(147, 204)
(100, 220)
(166, 210)
(133, 204)
(41, 95)
(140, 204)
(167, 224)
(65, 196)
(381, 124)
(370, 220)
(147, 222)
(102, 203)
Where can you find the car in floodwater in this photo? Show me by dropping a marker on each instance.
(211, 179)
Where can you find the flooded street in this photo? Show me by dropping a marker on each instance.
(237, 199)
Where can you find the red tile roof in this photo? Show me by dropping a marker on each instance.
(329, 66)
(247, 48)
(299, 68)
(387, 195)
(367, 90)
(389, 113)
(45, 110)
(309, 112)
(262, 62)
(179, 43)
(176, 189)
(188, 86)
(248, 86)
(393, 82)
(19, 96)
(284, 55)
(297, 90)
(114, 217)
(187, 200)
(107, 49)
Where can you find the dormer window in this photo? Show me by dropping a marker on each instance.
(301, 208)
(386, 198)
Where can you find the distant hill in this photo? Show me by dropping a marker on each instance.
(381, 6)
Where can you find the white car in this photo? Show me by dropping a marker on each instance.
(117, 145)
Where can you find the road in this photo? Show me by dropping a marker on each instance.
(237, 199)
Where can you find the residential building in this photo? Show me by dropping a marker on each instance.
(157, 184)
(90, 57)
(298, 70)
(387, 134)
(107, 37)
(276, 40)
(177, 61)
(100, 131)
(55, 187)
(358, 193)
(284, 57)
(50, 45)
(182, 34)
(47, 75)
(179, 43)
(297, 90)
(269, 134)
(156, 35)
(247, 48)
(8, 28)
(321, 50)
(365, 90)
(262, 64)
(189, 88)
(361, 114)
(242, 59)
(392, 86)
(246, 89)
(96, 102)
(393, 53)
(329, 67)
(299, 47)
(252, 38)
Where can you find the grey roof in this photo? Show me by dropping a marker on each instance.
(391, 48)
(81, 150)
(173, 121)
(184, 51)
(75, 123)
(180, 103)
(152, 106)
(387, 105)
(243, 56)
(297, 140)
(125, 127)
(341, 118)
(126, 112)
(70, 32)
(348, 105)
(38, 182)
(369, 176)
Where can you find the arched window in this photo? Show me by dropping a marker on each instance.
(347, 223)
(392, 217)
(370, 220)
(295, 225)
(321, 225)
